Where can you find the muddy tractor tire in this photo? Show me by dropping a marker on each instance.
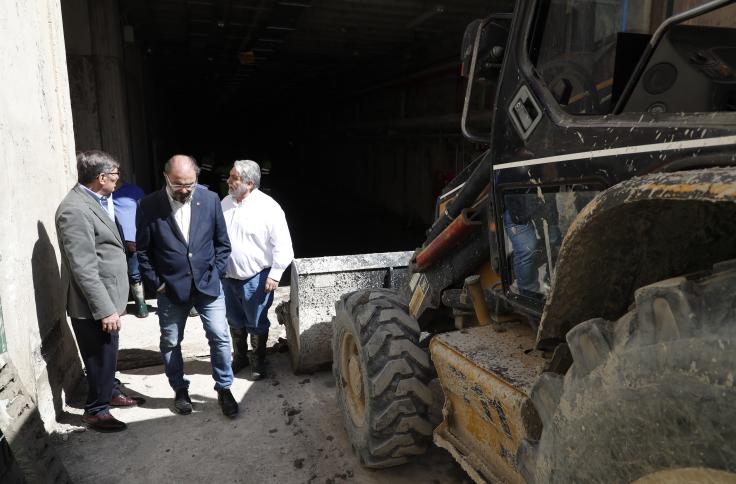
(652, 392)
(382, 376)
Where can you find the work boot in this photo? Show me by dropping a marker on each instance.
(227, 402)
(141, 308)
(258, 356)
(182, 402)
(240, 348)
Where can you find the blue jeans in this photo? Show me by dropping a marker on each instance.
(524, 245)
(172, 318)
(134, 272)
(247, 303)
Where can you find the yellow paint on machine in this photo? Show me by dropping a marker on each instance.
(486, 377)
(488, 277)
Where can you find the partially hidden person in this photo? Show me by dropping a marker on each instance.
(126, 202)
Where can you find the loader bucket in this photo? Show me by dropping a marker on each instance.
(316, 284)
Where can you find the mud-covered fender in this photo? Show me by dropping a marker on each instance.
(635, 233)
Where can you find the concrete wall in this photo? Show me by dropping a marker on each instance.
(37, 153)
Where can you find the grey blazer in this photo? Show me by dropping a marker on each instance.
(94, 268)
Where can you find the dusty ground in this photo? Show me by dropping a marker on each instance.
(289, 429)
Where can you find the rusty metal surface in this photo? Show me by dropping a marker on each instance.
(447, 239)
(640, 231)
(486, 377)
(317, 283)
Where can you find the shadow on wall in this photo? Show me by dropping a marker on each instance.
(58, 347)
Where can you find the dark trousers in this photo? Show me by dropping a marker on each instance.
(100, 354)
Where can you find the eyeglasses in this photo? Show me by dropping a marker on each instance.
(108, 173)
(183, 187)
(188, 186)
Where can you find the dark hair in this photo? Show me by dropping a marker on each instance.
(93, 162)
(167, 166)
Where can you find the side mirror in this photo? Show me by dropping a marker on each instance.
(494, 33)
(466, 54)
(484, 44)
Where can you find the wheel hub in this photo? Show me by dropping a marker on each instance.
(687, 475)
(353, 374)
(356, 377)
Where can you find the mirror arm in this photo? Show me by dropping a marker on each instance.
(468, 91)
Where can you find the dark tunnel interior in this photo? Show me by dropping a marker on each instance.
(351, 107)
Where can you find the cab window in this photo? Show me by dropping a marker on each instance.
(535, 221)
(585, 52)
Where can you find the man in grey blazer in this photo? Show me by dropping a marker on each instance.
(94, 274)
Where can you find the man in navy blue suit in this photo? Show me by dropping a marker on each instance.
(183, 248)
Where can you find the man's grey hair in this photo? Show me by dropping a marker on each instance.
(90, 164)
(167, 165)
(249, 171)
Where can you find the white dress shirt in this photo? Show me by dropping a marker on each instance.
(259, 236)
(182, 213)
(105, 202)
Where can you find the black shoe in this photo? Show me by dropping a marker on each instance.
(227, 402)
(182, 402)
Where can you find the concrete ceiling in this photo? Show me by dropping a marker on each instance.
(219, 47)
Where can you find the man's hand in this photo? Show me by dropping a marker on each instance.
(271, 285)
(111, 323)
(130, 246)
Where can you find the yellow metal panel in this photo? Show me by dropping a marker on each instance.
(486, 377)
(488, 278)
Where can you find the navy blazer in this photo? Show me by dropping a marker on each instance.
(165, 257)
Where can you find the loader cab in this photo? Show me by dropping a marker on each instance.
(592, 93)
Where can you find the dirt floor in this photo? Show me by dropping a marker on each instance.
(289, 429)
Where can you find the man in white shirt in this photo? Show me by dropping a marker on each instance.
(261, 251)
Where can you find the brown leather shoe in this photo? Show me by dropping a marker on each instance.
(104, 422)
(126, 401)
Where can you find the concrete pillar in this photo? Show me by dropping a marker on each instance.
(82, 79)
(107, 57)
(135, 84)
(93, 36)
